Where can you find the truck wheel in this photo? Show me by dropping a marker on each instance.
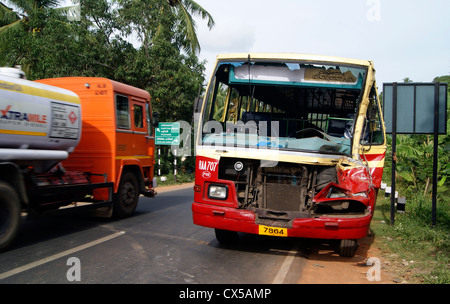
(347, 248)
(9, 214)
(226, 236)
(126, 199)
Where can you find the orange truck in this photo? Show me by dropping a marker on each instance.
(81, 142)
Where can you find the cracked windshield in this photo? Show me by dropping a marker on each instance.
(283, 105)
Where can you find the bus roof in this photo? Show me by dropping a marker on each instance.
(294, 57)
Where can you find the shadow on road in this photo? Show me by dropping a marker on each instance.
(41, 229)
(265, 244)
(313, 249)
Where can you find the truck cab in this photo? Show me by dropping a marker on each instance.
(117, 143)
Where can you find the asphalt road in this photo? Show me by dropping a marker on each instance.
(159, 244)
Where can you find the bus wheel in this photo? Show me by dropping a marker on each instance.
(226, 236)
(126, 198)
(347, 248)
(9, 214)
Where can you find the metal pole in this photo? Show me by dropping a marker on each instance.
(394, 149)
(435, 152)
(175, 164)
(159, 161)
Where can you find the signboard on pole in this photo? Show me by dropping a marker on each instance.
(415, 108)
(167, 133)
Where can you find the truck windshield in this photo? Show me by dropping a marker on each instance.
(287, 105)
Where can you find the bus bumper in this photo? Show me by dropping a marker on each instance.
(232, 219)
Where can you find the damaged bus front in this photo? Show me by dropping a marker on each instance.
(291, 146)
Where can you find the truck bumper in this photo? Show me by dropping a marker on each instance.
(232, 219)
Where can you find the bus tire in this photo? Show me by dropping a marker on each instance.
(126, 199)
(347, 248)
(226, 236)
(9, 214)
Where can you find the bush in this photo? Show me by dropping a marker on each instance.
(181, 178)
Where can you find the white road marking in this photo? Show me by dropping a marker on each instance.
(284, 269)
(58, 255)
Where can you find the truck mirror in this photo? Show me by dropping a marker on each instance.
(198, 103)
(155, 119)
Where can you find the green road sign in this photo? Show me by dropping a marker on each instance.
(168, 133)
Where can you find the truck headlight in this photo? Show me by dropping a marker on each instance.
(218, 192)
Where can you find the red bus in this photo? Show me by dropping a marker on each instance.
(289, 145)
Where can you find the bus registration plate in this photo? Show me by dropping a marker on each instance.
(273, 231)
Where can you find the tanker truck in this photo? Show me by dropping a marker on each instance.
(71, 143)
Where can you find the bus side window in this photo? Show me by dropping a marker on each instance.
(373, 129)
(220, 97)
(232, 107)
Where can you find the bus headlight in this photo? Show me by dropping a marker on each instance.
(218, 192)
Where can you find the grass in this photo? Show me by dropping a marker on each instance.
(170, 179)
(421, 250)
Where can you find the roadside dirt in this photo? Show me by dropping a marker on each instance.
(325, 266)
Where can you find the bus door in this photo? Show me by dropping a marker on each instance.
(373, 139)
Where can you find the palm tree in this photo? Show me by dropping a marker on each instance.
(20, 14)
(10, 19)
(7, 17)
(184, 10)
(407, 80)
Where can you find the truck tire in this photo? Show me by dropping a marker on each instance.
(127, 196)
(9, 214)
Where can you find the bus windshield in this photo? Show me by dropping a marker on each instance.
(286, 105)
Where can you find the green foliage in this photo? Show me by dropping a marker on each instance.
(180, 179)
(415, 164)
(7, 15)
(413, 238)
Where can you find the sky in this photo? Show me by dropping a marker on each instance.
(404, 38)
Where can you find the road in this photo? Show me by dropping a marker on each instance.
(159, 244)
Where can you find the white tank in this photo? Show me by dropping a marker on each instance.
(37, 120)
(13, 72)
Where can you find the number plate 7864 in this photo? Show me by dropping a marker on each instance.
(273, 231)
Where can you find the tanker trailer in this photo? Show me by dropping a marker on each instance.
(40, 125)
